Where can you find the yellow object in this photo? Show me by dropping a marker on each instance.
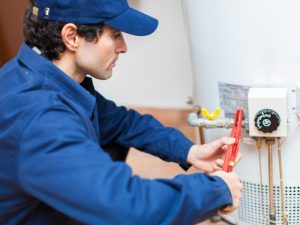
(231, 163)
(210, 116)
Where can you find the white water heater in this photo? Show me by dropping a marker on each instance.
(237, 45)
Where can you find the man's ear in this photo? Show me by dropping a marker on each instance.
(69, 36)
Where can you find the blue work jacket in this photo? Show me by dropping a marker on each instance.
(53, 169)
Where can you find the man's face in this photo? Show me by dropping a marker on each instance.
(98, 58)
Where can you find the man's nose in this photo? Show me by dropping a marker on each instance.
(122, 47)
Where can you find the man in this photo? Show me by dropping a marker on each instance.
(56, 131)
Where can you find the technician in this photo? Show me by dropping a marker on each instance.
(61, 140)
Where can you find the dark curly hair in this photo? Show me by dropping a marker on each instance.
(46, 35)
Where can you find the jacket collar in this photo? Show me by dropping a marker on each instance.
(44, 67)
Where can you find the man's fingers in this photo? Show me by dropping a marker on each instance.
(226, 211)
(219, 162)
(218, 144)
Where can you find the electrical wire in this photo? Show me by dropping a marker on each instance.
(248, 141)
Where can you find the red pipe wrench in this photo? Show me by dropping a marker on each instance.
(232, 150)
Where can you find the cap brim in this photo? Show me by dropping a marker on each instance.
(134, 22)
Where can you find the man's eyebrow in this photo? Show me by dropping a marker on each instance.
(113, 30)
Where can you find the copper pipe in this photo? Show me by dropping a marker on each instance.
(201, 136)
(272, 211)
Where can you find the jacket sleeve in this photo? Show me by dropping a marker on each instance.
(144, 132)
(60, 165)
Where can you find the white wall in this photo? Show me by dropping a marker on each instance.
(156, 70)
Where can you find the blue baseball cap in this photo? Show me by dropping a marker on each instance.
(114, 13)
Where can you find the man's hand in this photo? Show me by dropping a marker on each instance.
(209, 157)
(235, 187)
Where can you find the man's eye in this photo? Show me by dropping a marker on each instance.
(116, 35)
